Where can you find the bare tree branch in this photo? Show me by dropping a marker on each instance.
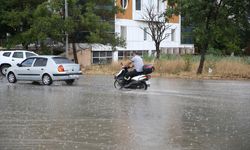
(157, 24)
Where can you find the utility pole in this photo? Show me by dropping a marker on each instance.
(66, 33)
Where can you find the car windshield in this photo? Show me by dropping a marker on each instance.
(62, 60)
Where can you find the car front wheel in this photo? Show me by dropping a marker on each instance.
(4, 69)
(11, 77)
(47, 80)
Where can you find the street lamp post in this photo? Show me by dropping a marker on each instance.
(66, 34)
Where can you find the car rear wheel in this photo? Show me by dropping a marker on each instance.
(70, 82)
(46, 79)
(11, 77)
(4, 69)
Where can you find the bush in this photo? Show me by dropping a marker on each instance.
(188, 62)
(169, 57)
(215, 52)
(186, 65)
(246, 60)
(169, 66)
(45, 52)
(148, 58)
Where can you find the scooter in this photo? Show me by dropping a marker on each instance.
(138, 82)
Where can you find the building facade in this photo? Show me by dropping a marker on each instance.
(131, 26)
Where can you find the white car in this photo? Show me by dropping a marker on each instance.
(12, 58)
(46, 69)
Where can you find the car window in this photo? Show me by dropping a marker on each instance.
(40, 62)
(62, 60)
(28, 62)
(28, 54)
(18, 55)
(6, 54)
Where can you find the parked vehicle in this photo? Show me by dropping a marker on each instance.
(45, 69)
(12, 58)
(137, 82)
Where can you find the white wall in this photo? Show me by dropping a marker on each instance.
(135, 35)
(137, 15)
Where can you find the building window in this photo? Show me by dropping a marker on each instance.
(124, 32)
(186, 33)
(124, 4)
(138, 5)
(145, 33)
(172, 35)
(101, 57)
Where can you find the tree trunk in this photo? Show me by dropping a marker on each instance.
(26, 46)
(202, 60)
(157, 46)
(207, 41)
(75, 52)
(43, 48)
(36, 46)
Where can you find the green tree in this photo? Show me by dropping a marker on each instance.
(90, 21)
(217, 24)
(93, 23)
(15, 19)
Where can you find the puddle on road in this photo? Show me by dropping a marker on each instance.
(175, 114)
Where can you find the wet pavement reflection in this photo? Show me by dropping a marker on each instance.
(92, 115)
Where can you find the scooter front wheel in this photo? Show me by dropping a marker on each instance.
(117, 84)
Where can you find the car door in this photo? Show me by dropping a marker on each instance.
(39, 67)
(23, 71)
(16, 58)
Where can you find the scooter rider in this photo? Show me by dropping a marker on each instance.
(138, 66)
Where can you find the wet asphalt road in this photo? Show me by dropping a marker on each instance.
(92, 115)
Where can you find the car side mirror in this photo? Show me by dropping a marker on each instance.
(19, 65)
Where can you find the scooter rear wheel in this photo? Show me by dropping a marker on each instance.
(143, 86)
(117, 85)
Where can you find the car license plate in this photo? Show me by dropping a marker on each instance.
(73, 76)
